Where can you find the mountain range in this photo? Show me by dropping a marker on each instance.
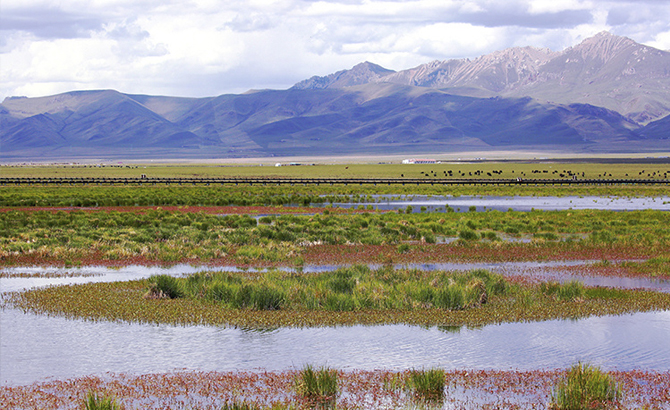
(606, 94)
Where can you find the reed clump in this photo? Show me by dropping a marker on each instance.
(99, 402)
(585, 387)
(426, 385)
(164, 286)
(318, 387)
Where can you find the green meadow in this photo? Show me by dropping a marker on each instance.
(173, 236)
(505, 170)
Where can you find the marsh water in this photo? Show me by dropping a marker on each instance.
(38, 347)
(504, 203)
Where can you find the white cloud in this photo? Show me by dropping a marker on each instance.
(555, 6)
(210, 47)
(451, 40)
(661, 41)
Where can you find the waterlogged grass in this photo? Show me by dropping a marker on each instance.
(347, 297)
(586, 387)
(100, 402)
(242, 405)
(426, 385)
(318, 388)
(163, 236)
(654, 267)
(379, 389)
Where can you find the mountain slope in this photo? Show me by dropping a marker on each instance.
(380, 118)
(89, 119)
(608, 71)
(657, 130)
(605, 70)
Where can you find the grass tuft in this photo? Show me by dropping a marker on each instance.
(164, 286)
(318, 387)
(239, 406)
(95, 402)
(585, 387)
(426, 385)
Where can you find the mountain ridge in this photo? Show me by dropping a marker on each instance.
(604, 70)
(442, 106)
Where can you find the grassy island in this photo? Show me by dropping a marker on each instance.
(347, 296)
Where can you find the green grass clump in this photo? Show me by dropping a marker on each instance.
(468, 235)
(95, 402)
(164, 286)
(239, 406)
(572, 290)
(317, 386)
(426, 385)
(346, 289)
(585, 387)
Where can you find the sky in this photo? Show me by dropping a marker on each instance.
(199, 48)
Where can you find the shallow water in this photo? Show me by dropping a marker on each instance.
(539, 270)
(35, 347)
(39, 347)
(516, 203)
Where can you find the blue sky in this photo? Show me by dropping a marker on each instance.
(198, 48)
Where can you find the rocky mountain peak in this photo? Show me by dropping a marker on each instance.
(362, 73)
(604, 46)
(537, 56)
(604, 70)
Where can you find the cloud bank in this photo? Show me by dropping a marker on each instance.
(210, 47)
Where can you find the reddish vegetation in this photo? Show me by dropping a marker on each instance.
(336, 254)
(611, 270)
(228, 210)
(478, 389)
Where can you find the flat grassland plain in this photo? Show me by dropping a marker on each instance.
(293, 232)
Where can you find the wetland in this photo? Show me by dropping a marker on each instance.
(368, 281)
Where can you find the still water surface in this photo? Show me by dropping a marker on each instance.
(515, 203)
(35, 347)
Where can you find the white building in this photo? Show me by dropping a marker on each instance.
(419, 161)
